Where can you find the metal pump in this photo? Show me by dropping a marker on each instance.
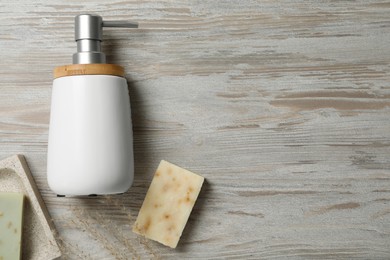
(88, 35)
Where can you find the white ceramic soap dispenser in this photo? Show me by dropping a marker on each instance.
(90, 148)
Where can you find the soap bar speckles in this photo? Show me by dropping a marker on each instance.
(168, 204)
(11, 216)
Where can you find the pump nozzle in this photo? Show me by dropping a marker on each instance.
(88, 35)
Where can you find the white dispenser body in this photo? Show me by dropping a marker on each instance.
(90, 148)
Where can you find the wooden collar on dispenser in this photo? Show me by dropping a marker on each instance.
(89, 69)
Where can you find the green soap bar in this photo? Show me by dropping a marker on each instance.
(11, 216)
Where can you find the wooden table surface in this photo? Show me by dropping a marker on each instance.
(283, 106)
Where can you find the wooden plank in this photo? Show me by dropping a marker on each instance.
(284, 108)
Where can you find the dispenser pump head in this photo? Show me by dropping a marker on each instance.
(88, 35)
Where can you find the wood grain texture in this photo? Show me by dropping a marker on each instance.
(283, 106)
(88, 69)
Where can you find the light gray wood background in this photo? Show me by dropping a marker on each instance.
(284, 106)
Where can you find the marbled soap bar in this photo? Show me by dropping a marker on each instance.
(11, 216)
(168, 204)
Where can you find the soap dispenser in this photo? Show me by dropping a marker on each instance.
(90, 147)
